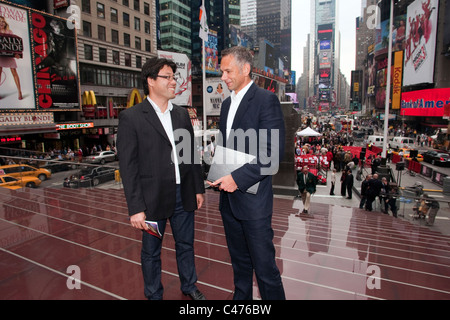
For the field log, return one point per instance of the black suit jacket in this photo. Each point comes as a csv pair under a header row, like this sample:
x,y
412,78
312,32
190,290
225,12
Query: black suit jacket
x,y
259,110
146,165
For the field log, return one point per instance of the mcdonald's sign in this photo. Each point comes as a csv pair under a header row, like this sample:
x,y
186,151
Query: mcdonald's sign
x,y
134,98
89,103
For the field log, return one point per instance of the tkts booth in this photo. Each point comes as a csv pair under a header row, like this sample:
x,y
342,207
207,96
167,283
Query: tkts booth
x,y
318,165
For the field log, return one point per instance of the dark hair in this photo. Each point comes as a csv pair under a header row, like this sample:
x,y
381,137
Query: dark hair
x,y
241,54
151,70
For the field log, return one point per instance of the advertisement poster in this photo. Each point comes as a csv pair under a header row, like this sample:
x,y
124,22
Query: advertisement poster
x,y
425,103
16,85
212,54
420,46
38,61
216,92
184,74
55,59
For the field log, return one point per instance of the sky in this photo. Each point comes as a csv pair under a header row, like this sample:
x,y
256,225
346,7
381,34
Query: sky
x,y
348,11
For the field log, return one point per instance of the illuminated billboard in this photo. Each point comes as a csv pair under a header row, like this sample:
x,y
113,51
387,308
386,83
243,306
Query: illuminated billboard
x,y
425,103
420,46
39,61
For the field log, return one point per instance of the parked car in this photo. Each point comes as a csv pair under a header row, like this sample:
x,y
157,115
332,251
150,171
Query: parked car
x,y
17,183
436,157
89,177
358,134
368,131
101,157
407,154
24,170
57,166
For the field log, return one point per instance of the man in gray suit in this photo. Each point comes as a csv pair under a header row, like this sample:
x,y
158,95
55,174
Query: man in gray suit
x,y
161,180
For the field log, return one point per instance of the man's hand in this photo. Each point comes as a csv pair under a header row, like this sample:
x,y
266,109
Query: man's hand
x,y
226,184
138,221
200,200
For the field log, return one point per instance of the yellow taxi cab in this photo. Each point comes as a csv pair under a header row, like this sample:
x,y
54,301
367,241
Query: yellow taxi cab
x,y
24,170
407,154
17,183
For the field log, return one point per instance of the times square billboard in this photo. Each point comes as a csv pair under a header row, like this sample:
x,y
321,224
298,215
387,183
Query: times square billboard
x,y
38,61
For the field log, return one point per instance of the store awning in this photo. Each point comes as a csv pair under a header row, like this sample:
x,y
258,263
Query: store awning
x,y
21,130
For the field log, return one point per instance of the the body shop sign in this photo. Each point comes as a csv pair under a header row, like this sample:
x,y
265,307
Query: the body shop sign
x,y
425,103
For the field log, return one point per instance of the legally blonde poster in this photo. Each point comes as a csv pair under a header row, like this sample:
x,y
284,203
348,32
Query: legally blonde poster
x,y
16,69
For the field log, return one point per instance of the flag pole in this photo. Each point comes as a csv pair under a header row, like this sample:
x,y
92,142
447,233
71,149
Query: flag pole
x,y
203,33
205,124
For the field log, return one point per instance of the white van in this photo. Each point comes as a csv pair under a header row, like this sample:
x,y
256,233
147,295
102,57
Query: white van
x,y
402,142
376,141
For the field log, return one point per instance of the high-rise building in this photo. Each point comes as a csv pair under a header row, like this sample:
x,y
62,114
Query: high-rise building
x,y
274,25
249,17
324,63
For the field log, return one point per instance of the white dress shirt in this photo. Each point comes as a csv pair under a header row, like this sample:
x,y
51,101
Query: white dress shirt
x,y
235,102
166,121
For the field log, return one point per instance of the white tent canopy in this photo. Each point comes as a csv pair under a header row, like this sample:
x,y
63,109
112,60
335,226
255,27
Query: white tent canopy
x,y
308,132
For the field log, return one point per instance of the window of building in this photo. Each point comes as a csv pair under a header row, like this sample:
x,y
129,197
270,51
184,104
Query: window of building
x,y
137,5
146,8
138,62
103,55
116,57
101,33
86,6
87,29
126,40
115,36
126,19
126,3
137,24
88,52
127,59
100,10
148,45
137,43
114,15
147,27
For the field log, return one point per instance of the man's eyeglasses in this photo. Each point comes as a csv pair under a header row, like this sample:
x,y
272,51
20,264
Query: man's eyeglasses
x,y
170,78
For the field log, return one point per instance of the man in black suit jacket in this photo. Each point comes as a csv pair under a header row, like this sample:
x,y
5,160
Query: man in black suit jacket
x,y
373,191
161,178
251,121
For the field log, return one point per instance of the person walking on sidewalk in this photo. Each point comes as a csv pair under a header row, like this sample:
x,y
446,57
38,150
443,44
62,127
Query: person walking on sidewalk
x,y
364,188
307,183
349,183
373,191
333,182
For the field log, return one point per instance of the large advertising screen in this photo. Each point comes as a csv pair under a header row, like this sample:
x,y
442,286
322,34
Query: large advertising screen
x,y
420,46
425,103
38,61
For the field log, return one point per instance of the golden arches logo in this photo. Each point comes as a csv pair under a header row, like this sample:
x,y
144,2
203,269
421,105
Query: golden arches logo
x,y
134,98
89,99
